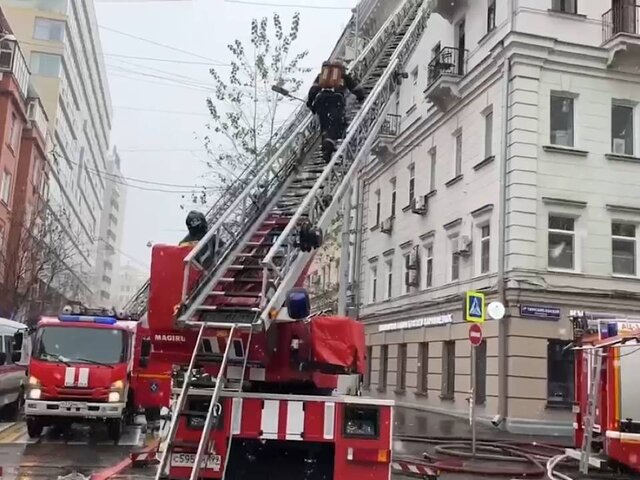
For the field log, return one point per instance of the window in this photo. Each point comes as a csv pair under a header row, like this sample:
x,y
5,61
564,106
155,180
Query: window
x,y
56,6
394,195
622,129
367,374
14,132
567,6
412,183
378,208
5,187
481,373
389,279
448,369
561,242
491,16
48,29
46,64
384,362
455,260
485,248
423,367
407,261
432,170
429,266
458,154
623,237
401,383
559,373
488,135
414,75
374,284
562,121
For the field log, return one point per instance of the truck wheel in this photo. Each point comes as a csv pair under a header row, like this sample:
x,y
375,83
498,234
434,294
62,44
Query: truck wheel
x,y
115,428
34,427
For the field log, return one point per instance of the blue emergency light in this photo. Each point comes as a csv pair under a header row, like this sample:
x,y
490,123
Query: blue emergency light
x,y
92,319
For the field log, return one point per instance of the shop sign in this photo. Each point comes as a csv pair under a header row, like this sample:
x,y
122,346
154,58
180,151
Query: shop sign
x,y
417,323
540,312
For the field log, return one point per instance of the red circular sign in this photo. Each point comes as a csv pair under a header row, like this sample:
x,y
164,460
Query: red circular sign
x,y
475,335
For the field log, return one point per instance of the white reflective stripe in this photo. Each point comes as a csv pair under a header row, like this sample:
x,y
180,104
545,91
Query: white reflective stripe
x,y
257,374
234,372
236,416
413,468
597,428
83,377
295,420
396,466
350,453
269,421
329,419
69,376
629,437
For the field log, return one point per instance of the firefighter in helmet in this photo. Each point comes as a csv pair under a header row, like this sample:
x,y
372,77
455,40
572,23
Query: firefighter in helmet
x,y
327,99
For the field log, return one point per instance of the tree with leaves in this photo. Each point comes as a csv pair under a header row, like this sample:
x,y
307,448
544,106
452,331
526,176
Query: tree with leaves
x,y
245,111
40,265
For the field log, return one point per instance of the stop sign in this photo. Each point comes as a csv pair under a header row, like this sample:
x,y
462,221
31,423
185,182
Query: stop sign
x,y
475,334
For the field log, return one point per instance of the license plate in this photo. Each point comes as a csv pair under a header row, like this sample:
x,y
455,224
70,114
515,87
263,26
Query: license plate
x,y
71,405
213,462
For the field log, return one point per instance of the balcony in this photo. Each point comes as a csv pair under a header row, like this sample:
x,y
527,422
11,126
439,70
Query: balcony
x,y
383,148
447,9
445,71
38,117
12,61
621,36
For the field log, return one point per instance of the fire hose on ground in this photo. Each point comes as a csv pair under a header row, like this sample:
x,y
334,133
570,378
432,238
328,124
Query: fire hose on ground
x,y
454,455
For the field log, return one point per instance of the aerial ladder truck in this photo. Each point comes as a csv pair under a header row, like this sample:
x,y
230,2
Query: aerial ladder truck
x,y
257,379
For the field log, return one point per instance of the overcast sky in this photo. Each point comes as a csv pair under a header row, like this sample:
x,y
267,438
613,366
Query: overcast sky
x,y
164,147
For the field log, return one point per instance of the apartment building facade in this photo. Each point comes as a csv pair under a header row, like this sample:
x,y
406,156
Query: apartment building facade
x,y
127,283
509,164
61,42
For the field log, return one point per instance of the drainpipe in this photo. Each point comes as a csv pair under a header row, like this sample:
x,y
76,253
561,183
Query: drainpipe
x,y
503,325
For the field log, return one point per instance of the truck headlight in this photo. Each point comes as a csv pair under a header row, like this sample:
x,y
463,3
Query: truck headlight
x,y
35,393
114,397
33,381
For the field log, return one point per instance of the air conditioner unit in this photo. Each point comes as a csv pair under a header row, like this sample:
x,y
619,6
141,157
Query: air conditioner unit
x,y
412,260
619,145
387,225
411,278
464,245
420,205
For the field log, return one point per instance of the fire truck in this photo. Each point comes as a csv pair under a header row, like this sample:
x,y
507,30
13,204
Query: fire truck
x,y
262,388
87,365
607,409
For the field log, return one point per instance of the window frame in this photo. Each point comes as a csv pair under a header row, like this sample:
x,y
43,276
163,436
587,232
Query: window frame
x,y
389,283
428,266
38,72
383,368
367,373
480,381
555,370
491,16
6,184
412,183
488,134
485,241
448,388
423,368
374,284
622,238
632,107
574,236
401,378
571,140
378,210
394,197
432,169
458,153
562,6
61,23
455,259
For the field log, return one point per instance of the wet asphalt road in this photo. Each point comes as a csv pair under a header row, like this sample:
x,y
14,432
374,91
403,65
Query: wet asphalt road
x,y
88,450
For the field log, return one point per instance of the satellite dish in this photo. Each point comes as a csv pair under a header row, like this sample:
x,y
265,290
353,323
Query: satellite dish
x,y
496,310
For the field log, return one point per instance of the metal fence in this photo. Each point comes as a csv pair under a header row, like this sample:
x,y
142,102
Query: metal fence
x,y
621,19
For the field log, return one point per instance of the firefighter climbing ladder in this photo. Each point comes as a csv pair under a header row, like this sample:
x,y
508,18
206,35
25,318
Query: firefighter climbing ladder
x,y
213,412
595,373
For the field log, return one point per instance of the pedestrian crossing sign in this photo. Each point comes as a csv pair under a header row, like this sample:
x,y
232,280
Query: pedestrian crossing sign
x,y
474,310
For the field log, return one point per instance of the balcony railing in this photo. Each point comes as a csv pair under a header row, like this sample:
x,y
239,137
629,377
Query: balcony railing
x,y
449,61
12,60
391,125
621,19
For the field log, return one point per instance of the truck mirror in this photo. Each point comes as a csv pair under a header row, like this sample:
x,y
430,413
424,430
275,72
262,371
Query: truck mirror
x,y
3,358
145,348
18,338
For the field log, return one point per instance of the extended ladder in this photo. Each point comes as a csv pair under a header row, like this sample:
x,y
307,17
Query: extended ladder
x,y
595,374
212,416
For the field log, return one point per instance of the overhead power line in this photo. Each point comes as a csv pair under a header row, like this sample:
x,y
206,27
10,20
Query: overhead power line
x,y
166,60
159,110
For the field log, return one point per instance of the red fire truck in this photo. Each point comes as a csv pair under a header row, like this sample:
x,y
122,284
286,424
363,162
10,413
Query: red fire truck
x,y
88,366
607,410
277,406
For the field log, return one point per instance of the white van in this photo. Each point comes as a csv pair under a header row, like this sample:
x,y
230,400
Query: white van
x,y
13,366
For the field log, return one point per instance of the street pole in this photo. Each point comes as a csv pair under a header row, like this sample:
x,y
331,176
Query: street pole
x,y
472,401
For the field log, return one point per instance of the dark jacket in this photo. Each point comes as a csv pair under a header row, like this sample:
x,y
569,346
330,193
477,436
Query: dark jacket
x,y
349,84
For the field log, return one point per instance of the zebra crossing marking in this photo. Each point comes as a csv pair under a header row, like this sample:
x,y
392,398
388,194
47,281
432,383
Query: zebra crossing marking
x,y
16,433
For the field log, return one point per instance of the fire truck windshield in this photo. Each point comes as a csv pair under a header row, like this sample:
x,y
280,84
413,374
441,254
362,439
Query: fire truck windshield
x,y
99,346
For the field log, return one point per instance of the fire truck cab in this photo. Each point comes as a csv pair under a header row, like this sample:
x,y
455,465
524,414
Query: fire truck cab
x,y
86,367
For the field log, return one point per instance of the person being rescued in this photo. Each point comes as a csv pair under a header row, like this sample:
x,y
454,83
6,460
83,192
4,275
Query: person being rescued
x,y
197,227
327,99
